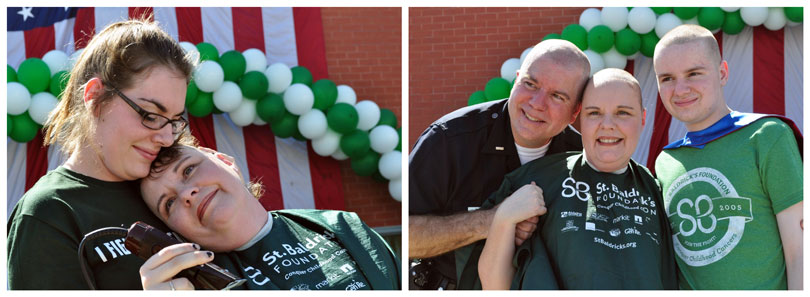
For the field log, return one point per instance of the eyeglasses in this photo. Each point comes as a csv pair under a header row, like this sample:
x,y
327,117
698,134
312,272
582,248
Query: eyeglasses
x,y
152,120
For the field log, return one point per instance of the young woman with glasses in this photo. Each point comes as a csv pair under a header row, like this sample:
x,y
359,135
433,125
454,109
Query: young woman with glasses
x,y
124,101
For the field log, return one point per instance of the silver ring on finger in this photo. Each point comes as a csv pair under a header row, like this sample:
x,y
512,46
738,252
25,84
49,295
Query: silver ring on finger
x,y
171,285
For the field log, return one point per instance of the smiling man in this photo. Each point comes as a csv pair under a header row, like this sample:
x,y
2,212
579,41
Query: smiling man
x,y
733,185
462,157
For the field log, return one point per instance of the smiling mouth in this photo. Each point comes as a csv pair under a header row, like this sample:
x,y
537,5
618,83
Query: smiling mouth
x,y
146,154
683,103
204,204
609,140
536,120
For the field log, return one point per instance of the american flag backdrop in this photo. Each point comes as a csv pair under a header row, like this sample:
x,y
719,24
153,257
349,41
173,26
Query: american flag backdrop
x,y
288,168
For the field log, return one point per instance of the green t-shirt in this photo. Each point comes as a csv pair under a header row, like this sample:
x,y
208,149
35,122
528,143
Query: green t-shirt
x,y
722,202
317,250
601,231
50,220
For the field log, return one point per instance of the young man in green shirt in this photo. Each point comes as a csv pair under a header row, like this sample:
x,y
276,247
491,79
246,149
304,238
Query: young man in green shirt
x,y
733,185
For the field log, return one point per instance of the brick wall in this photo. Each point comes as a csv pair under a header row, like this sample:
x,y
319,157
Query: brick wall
x,y
363,50
453,52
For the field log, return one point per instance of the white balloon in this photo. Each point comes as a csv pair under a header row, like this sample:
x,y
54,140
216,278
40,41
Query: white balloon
x,y
792,23
509,69
41,105
754,16
666,22
390,165
641,20
298,99
346,95
312,125
228,97
590,18
245,113
75,57
634,56
18,98
57,61
524,54
339,154
327,144
395,189
258,120
596,61
692,21
383,139
776,18
255,60
279,78
615,18
368,114
209,76
191,50
614,59
729,9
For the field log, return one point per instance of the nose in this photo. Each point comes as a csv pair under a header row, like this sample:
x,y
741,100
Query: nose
x,y
539,99
164,137
189,195
607,122
681,87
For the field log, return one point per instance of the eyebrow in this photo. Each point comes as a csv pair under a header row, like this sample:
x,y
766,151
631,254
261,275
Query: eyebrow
x,y
596,107
687,71
530,77
160,106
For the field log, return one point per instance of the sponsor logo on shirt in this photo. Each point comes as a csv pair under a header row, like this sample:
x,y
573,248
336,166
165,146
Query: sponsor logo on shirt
x,y
707,227
569,226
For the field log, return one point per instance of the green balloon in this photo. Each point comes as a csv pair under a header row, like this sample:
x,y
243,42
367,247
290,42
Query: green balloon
x,y
216,110
377,177
577,35
600,39
661,10
366,165
301,75
387,117
342,118
477,97
191,93
203,105
686,13
208,52
552,36
399,134
325,92
25,129
11,75
297,132
58,83
711,18
270,108
9,124
254,85
286,126
497,88
734,23
627,42
794,14
648,42
34,74
233,64
355,144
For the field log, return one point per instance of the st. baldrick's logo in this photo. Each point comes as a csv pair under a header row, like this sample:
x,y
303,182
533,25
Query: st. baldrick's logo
x,y
709,219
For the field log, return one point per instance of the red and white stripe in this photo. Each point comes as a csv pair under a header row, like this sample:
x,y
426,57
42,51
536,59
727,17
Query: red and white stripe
x,y
765,76
293,175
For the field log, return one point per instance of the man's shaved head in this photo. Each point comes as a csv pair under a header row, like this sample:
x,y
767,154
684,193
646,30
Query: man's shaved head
x,y
684,34
562,52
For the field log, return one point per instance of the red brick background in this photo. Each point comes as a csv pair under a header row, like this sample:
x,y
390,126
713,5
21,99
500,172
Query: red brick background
x,y
364,51
453,52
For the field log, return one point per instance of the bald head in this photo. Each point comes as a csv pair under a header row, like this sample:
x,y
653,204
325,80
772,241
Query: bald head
x,y
685,34
614,76
561,52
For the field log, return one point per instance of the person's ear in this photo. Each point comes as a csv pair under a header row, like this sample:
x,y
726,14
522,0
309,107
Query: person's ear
x,y
92,91
577,109
643,116
723,73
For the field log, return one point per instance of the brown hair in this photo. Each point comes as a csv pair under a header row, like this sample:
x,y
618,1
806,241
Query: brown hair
x,y
118,55
170,154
